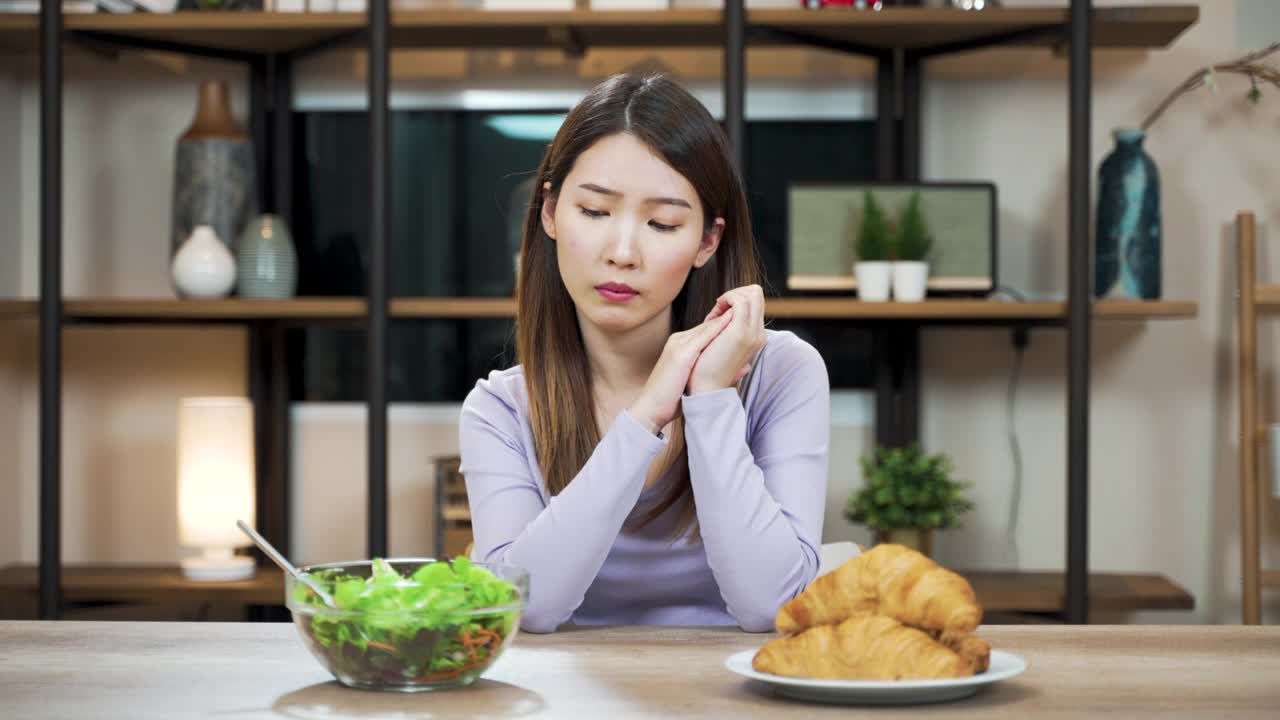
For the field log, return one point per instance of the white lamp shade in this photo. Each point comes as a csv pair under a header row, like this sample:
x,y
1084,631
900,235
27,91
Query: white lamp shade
x,y
215,471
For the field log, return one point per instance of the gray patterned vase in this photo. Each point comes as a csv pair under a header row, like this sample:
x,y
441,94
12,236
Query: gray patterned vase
x,y
214,180
266,263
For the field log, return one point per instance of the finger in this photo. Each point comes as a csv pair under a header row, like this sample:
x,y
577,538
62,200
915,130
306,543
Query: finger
x,y
742,373
717,309
742,313
723,303
708,330
757,311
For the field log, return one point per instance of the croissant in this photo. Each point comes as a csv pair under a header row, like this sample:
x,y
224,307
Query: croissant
x,y
922,593
864,647
848,590
967,645
888,579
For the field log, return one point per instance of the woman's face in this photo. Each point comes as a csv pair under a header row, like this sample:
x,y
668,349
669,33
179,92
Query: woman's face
x,y
628,229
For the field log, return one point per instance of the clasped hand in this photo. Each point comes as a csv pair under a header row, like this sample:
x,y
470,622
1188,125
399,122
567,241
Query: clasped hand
x,y
711,356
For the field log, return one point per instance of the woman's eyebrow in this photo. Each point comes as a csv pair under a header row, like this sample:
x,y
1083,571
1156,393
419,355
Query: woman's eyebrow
x,y
655,200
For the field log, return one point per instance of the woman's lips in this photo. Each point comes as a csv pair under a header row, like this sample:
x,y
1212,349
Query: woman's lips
x,y
616,292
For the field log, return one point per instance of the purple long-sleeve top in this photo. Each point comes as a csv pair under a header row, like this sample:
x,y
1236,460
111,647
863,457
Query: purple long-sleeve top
x,y
758,467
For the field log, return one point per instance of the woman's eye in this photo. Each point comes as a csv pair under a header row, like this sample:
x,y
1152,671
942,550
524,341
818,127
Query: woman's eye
x,y
662,228
593,213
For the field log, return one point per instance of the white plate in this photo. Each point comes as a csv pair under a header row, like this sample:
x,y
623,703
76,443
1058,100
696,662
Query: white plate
x,y
1003,666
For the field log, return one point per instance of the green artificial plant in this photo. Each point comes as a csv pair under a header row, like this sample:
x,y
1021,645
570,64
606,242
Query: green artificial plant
x,y
912,240
874,238
905,488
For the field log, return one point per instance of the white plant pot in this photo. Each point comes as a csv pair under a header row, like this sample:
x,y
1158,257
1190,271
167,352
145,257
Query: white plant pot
x,y
873,277
203,267
910,280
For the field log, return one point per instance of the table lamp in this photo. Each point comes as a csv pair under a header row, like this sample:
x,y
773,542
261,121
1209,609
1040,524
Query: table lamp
x,y
215,485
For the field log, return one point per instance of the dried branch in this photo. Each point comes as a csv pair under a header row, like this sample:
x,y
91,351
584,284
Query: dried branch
x,y
1247,65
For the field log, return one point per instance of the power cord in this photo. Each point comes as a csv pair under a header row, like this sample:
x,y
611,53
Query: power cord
x,y
1021,337
1013,293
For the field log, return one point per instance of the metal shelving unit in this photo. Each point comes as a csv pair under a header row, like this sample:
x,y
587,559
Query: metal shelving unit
x,y
898,39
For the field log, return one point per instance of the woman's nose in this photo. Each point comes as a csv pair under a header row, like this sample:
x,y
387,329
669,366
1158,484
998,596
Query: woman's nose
x,y
621,250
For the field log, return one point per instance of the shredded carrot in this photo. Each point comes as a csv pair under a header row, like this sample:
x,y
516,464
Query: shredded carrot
x,y
483,638
383,646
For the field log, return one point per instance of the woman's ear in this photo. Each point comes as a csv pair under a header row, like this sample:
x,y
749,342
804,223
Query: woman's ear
x,y
548,211
710,241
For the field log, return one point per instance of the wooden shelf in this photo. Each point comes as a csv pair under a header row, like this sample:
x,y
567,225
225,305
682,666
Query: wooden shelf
x,y
140,584
453,307
1025,592
18,308
230,309
923,28
1044,592
919,28
261,32
975,310
1144,309
241,309
807,308
1267,297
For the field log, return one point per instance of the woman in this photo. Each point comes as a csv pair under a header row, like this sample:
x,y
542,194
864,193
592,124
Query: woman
x,y
657,457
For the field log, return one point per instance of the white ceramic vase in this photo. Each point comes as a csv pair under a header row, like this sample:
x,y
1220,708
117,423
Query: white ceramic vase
x,y
873,277
203,267
910,280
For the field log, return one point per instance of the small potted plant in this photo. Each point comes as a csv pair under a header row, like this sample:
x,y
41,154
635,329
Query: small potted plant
x,y
872,270
906,496
912,242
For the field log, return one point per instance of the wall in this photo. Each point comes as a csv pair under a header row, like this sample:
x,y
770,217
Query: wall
x,y
11,422
1163,492
11,431
11,378
10,182
330,492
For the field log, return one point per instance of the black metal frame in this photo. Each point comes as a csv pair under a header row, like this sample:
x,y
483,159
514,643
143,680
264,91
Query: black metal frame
x,y
379,234
1078,326
896,352
735,75
50,309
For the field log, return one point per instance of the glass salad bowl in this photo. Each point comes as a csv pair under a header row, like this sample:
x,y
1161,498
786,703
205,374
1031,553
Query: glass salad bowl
x,y
408,624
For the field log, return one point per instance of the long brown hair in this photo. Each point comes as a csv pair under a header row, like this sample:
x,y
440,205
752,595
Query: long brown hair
x,y
549,346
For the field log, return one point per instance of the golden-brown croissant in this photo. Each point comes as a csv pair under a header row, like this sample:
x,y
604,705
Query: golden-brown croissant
x,y
864,647
921,593
848,590
888,579
967,645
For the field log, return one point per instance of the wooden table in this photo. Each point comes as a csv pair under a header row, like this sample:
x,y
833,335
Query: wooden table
x,y
998,592
261,670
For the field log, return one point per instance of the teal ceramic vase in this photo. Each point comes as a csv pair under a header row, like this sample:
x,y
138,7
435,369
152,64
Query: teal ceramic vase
x,y
1127,234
